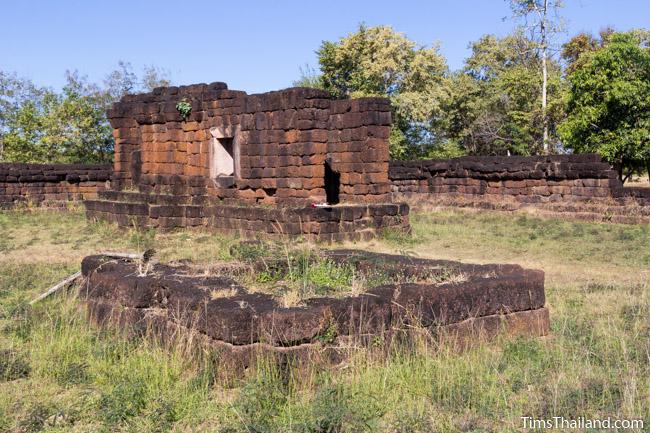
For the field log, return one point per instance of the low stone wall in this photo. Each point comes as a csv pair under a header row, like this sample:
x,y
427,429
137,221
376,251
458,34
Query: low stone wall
x,y
481,301
581,185
337,223
50,183
534,179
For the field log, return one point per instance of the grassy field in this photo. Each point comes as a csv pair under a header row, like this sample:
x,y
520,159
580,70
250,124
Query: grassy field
x,y
58,373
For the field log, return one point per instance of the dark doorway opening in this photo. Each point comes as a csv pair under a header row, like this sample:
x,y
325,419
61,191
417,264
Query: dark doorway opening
x,y
332,184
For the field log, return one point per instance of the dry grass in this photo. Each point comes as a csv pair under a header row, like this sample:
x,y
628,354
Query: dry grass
x,y
59,373
568,251
222,293
639,181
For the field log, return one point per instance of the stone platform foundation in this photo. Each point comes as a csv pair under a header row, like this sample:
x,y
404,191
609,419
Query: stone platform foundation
x,y
336,223
481,301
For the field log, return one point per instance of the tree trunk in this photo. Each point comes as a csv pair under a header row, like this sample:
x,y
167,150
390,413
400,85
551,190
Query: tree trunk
x,y
627,176
647,167
618,166
624,177
544,77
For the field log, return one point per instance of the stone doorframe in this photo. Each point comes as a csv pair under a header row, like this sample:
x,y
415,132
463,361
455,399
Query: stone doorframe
x,y
225,132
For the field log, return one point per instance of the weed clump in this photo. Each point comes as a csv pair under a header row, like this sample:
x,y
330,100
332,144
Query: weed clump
x,y
13,365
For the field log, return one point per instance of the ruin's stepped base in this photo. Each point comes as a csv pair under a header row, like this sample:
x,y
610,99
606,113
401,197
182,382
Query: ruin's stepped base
x,y
337,223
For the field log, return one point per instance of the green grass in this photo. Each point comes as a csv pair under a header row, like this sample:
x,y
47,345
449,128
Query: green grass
x,y
296,271
59,373
613,244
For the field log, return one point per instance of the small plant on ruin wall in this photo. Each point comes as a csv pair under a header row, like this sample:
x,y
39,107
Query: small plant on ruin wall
x,y
328,336
184,108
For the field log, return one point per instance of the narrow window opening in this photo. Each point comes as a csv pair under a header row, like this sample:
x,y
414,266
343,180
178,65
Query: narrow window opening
x,y
332,184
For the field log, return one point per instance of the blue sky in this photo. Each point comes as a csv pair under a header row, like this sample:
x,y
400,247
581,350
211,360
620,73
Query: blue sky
x,y
252,45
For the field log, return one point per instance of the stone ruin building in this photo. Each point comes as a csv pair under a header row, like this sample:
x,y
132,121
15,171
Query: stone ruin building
x,y
292,162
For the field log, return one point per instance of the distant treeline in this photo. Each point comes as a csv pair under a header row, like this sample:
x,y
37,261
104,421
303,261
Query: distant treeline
x,y
597,94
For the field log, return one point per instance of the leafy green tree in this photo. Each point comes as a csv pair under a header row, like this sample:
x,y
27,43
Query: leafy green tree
x,y
41,125
582,43
14,93
495,106
66,127
378,61
608,109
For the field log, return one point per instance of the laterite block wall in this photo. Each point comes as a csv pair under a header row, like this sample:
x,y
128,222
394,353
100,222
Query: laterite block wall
x,y
251,164
533,179
50,183
284,139
358,222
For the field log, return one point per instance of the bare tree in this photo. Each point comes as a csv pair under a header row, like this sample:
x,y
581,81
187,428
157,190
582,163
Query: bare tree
x,y
541,19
